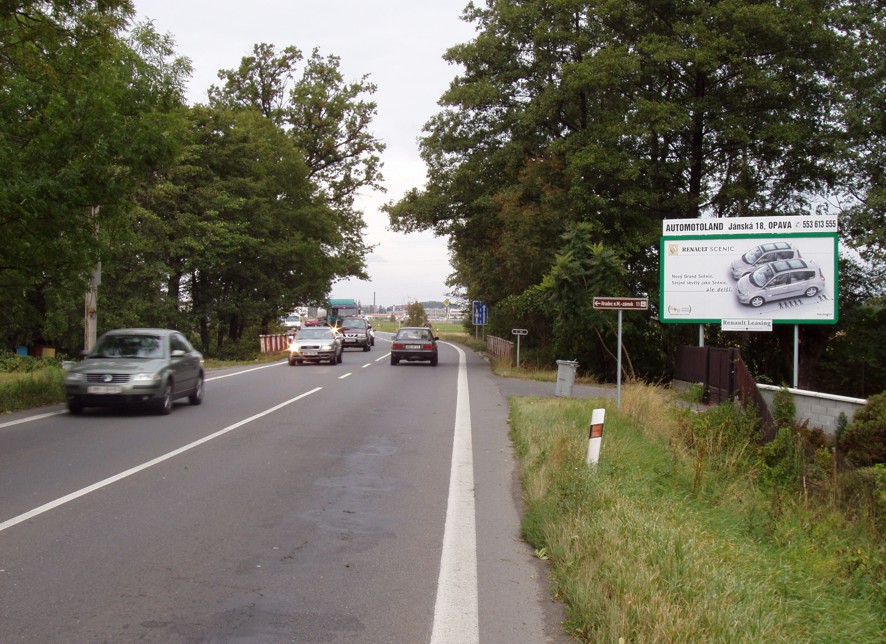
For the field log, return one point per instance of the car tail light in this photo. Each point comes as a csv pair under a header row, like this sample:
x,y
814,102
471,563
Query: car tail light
x,y
397,345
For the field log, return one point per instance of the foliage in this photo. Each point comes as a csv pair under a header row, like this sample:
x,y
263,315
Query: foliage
x,y
327,118
619,115
14,363
784,410
864,439
42,386
82,122
415,315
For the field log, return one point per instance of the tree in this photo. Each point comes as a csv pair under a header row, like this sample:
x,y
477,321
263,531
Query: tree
x,y
83,120
619,115
327,118
416,315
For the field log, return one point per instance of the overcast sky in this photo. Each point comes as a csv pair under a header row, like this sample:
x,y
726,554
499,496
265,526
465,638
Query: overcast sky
x,y
400,44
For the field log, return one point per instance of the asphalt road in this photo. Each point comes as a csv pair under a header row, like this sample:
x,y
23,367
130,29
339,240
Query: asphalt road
x,y
358,502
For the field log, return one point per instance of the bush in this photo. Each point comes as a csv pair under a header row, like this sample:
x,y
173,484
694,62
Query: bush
x,y
863,442
14,363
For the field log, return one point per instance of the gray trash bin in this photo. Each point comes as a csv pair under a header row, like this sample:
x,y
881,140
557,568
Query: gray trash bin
x,y
565,377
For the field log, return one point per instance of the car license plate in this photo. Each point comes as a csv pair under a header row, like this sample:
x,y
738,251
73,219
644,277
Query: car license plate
x,y
104,389
413,346
310,353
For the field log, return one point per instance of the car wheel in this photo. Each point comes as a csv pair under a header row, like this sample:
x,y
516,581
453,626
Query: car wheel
x,y
75,406
434,361
812,291
164,404
291,362
395,361
365,348
757,301
197,397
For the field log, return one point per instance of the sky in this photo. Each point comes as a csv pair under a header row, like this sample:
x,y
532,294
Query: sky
x,y
399,44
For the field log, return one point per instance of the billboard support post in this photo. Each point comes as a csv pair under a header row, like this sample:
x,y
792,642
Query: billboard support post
x,y
796,355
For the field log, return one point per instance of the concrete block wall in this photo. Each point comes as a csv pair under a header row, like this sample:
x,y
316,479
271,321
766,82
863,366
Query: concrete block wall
x,y
821,410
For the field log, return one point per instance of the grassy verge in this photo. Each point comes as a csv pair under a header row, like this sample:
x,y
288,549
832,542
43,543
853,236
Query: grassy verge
x,y
32,389
657,545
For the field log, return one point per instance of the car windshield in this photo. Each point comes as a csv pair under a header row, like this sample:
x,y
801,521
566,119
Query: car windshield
x,y
762,275
752,255
354,324
414,334
128,346
314,334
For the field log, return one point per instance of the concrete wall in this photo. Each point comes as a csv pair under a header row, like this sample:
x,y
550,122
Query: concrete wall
x,y
821,410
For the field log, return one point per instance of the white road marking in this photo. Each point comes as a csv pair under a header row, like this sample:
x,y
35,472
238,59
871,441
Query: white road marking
x,y
30,418
138,468
456,611
65,411
342,377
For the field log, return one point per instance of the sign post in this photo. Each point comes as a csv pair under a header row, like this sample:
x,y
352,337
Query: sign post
x,y
479,313
518,333
620,304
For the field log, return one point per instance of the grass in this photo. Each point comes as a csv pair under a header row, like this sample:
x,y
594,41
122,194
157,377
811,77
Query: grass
x,y
31,389
637,552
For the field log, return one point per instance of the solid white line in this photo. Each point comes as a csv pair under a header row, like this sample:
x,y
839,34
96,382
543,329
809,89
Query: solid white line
x,y
65,411
122,475
456,611
30,418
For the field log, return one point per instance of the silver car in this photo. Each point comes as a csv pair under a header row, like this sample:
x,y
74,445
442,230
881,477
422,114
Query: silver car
x,y
760,255
780,280
150,367
315,344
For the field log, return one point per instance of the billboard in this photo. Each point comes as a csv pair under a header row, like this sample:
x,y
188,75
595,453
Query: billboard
x,y
782,269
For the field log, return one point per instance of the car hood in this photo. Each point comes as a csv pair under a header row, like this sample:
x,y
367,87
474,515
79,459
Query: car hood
x,y
118,365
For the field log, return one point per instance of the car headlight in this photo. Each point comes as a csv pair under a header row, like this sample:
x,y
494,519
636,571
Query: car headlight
x,y
143,377
74,377
326,347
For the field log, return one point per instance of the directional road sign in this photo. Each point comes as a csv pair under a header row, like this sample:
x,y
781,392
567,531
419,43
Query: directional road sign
x,y
626,303
479,313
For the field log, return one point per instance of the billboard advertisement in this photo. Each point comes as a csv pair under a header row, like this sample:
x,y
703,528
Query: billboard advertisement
x,y
778,269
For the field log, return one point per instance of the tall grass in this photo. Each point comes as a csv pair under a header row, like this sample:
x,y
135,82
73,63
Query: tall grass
x,y
659,544
32,389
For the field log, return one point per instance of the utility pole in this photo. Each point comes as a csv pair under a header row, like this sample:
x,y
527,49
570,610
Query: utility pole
x,y
91,302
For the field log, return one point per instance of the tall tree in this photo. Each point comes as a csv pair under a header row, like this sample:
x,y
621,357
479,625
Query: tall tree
x,y
328,118
82,121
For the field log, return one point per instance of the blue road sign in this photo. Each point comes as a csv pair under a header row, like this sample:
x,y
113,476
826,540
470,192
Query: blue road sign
x,y
478,313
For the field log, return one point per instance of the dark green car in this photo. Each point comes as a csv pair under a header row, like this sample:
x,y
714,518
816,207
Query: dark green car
x,y
150,367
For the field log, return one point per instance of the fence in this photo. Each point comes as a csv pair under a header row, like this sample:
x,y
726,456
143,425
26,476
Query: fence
x,y
500,348
723,376
275,342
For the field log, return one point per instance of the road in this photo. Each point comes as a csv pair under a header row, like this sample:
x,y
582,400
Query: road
x,y
358,502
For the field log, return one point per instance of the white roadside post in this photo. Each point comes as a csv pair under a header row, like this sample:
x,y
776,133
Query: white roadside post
x,y
595,436
518,333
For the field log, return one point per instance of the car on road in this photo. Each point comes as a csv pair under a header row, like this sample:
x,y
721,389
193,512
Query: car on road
x,y
150,367
414,343
790,278
760,255
356,332
316,344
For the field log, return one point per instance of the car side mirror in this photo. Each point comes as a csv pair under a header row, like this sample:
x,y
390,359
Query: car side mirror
x,y
177,353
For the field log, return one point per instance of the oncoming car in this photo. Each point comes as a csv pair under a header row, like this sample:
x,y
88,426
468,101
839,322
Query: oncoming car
x,y
414,343
779,281
315,344
136,366
356,332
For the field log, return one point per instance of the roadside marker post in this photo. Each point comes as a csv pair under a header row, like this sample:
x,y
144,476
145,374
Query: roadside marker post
x,y
595,436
